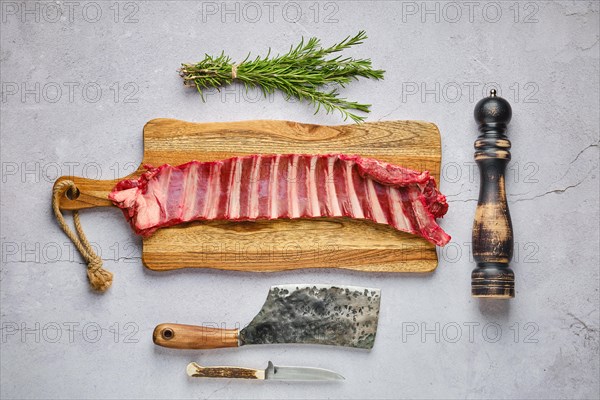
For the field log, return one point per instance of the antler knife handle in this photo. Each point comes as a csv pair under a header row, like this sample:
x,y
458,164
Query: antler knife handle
x,y
177,336
492,229
198,371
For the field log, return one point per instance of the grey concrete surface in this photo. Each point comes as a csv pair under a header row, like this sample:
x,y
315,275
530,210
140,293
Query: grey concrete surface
x,y
78,86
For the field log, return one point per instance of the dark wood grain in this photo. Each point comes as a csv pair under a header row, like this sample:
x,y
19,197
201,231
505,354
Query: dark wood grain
x,y
492,228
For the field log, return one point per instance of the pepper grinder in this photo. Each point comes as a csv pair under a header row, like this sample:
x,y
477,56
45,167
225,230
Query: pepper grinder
x,y
492,228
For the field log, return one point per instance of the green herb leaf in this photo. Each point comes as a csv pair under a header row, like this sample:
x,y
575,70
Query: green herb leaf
x,y
304,72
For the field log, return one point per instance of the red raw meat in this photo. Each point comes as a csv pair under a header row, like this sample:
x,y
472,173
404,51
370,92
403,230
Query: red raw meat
x,y
284,186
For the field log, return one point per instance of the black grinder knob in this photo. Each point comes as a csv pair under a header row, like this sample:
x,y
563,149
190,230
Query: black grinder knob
x,y
492,228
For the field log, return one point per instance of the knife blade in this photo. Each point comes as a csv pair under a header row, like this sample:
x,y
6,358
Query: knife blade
x,y
272,372
300,313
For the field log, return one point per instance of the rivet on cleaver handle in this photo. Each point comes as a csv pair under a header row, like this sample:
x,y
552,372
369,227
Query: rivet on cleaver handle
x,y
309,314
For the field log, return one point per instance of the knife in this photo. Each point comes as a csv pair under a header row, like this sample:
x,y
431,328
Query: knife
x,y
272,372
302,313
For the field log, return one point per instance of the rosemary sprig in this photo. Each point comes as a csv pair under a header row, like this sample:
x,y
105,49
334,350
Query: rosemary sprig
x,y
303,72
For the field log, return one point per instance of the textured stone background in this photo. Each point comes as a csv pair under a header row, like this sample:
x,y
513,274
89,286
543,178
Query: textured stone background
x,y
59,340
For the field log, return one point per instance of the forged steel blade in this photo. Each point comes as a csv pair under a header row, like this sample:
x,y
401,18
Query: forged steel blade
x,y
316,314
300,374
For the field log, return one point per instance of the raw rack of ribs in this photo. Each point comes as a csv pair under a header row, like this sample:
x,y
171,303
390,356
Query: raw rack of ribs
x,y
284,186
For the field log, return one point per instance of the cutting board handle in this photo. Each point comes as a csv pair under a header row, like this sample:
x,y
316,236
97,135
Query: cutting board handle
x,y
90,193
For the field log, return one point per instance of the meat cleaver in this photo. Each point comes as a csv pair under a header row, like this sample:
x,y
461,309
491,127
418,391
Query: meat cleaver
x,y
308,314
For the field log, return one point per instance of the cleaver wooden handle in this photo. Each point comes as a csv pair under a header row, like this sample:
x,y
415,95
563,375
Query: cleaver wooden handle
x,y
177,336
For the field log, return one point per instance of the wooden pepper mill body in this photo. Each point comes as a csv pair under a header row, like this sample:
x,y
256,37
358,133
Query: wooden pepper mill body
x,y
492,229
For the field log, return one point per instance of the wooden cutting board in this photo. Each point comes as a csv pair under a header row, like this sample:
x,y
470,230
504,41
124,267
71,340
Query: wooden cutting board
x,y
279,245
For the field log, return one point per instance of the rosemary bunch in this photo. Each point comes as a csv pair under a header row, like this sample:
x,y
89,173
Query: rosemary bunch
x,y
303,72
